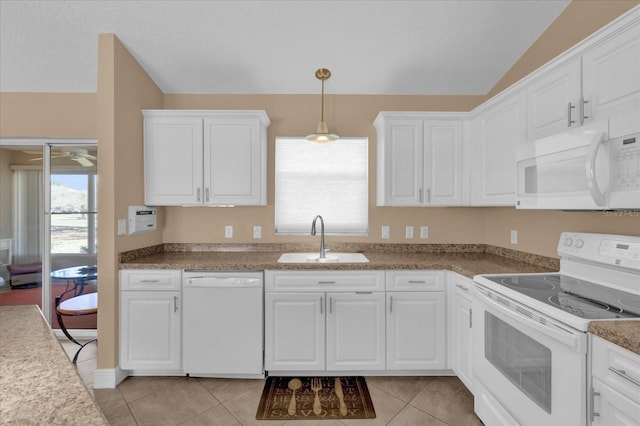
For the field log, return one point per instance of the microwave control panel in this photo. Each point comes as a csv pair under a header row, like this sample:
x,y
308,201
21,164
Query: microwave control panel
x,y
625,164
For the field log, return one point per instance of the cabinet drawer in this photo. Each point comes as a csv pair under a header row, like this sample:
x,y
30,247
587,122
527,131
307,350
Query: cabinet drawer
x,y
415,280
617,367
150,279
324,280
463,285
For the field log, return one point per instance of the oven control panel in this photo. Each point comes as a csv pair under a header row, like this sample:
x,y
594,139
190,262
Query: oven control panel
x,y
618,250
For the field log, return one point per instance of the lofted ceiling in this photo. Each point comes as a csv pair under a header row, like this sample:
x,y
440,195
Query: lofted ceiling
x,y
414,47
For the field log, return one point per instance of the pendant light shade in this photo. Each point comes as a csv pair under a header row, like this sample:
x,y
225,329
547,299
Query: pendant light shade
x,y
322,134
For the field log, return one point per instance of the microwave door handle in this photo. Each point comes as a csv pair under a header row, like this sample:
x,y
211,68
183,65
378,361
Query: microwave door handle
x,y
592,180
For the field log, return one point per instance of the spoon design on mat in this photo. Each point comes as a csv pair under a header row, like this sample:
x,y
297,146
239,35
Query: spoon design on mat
x,y
294,385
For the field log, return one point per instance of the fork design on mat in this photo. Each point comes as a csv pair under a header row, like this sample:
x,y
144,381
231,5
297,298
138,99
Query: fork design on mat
x,y
316,386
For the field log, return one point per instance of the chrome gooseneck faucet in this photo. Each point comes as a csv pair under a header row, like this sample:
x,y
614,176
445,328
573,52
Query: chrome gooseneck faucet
x,y
313,232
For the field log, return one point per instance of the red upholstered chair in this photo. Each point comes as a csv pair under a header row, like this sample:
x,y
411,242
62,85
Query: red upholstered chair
x,y
25,269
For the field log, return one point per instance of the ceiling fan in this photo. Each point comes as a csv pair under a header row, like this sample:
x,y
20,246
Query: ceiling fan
x,y
80,155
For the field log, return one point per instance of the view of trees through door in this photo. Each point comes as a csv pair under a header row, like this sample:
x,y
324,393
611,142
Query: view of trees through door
x,y
48,218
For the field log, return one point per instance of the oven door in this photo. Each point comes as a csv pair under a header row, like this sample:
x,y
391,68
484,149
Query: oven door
x,y
531,370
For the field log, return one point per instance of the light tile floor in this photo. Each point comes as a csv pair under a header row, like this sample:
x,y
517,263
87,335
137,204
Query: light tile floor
x,y
398,401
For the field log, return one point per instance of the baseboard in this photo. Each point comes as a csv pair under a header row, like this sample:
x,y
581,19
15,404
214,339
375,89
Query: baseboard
x,y
77,333
108,378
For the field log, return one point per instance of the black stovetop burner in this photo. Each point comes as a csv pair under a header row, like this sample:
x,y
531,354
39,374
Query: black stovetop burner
x,y
575,296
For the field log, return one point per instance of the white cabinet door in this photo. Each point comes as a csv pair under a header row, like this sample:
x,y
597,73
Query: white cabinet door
x,y
355,331
462,332
443,163
173,160
612,407
205,157
419,160
416,331
553,102
150,330
400,159
611,82
501,129
294,331
235,161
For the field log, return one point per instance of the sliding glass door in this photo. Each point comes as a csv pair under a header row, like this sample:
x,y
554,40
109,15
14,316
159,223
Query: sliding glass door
x,y
50,226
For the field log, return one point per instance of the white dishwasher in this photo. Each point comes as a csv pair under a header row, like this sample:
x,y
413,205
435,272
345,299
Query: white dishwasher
x,y
222,323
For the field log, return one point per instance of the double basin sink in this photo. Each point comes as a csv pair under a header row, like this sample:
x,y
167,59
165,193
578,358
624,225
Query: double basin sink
x,y
329,258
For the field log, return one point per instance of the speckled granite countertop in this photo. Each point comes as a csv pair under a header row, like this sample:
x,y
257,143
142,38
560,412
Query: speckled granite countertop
x,y
38,383
622,333
466,259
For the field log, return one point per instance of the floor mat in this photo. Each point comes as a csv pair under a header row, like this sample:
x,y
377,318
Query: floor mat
x,y
315,398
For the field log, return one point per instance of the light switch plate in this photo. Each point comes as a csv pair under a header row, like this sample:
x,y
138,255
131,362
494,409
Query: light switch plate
x,y
514,236
122,226
228,231
257,232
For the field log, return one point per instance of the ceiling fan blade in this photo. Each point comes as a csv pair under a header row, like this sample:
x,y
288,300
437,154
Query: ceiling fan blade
x,y
33,152
83,161
35,159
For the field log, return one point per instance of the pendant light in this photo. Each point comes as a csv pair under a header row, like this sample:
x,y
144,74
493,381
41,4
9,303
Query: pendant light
x,y
322,134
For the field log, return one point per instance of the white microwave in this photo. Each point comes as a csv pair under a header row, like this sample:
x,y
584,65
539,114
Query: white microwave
x,y
580,170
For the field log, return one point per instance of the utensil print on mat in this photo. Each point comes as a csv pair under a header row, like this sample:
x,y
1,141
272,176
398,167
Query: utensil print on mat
x,y
294,385
340,394
316,385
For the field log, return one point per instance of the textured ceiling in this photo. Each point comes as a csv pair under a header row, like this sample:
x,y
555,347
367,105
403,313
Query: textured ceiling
x,y
273,47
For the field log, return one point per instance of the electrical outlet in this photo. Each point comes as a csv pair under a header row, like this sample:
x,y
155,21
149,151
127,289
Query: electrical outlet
x,y
408,232
122,226
257,232
385,232
514,237
424,232
228,231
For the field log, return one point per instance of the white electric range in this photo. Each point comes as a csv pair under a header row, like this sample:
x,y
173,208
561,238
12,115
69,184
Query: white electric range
x,y
530,345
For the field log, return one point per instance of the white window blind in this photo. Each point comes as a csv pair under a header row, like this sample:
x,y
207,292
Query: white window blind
x,y
330,180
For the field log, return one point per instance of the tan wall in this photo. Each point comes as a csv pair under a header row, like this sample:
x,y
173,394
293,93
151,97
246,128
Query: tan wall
x,y
6,194
49,115
124,89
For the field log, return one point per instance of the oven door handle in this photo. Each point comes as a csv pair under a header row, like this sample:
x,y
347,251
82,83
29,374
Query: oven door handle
x,y
518,314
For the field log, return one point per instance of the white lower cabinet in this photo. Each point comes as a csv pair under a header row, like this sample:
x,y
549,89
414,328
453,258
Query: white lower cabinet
x,y
416,320
338,329
294,331
150,321
416,331
615,385
462,328
355,331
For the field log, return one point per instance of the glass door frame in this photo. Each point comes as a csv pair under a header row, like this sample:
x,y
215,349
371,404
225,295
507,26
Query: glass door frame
x,y
45,214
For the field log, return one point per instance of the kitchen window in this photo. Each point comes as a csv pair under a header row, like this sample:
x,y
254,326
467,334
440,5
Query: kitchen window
x,y
330,180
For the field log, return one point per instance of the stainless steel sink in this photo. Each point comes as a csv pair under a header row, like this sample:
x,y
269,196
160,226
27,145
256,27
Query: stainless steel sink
x,y
329,258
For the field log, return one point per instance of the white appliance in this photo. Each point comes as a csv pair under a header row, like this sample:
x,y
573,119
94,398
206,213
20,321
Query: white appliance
x,y
581,169
223,324
529,330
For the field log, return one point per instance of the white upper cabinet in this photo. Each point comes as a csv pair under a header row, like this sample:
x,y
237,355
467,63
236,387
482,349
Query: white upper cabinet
x,y
205,157
603,83
496,132
419,160
611,82
553,101
172,160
